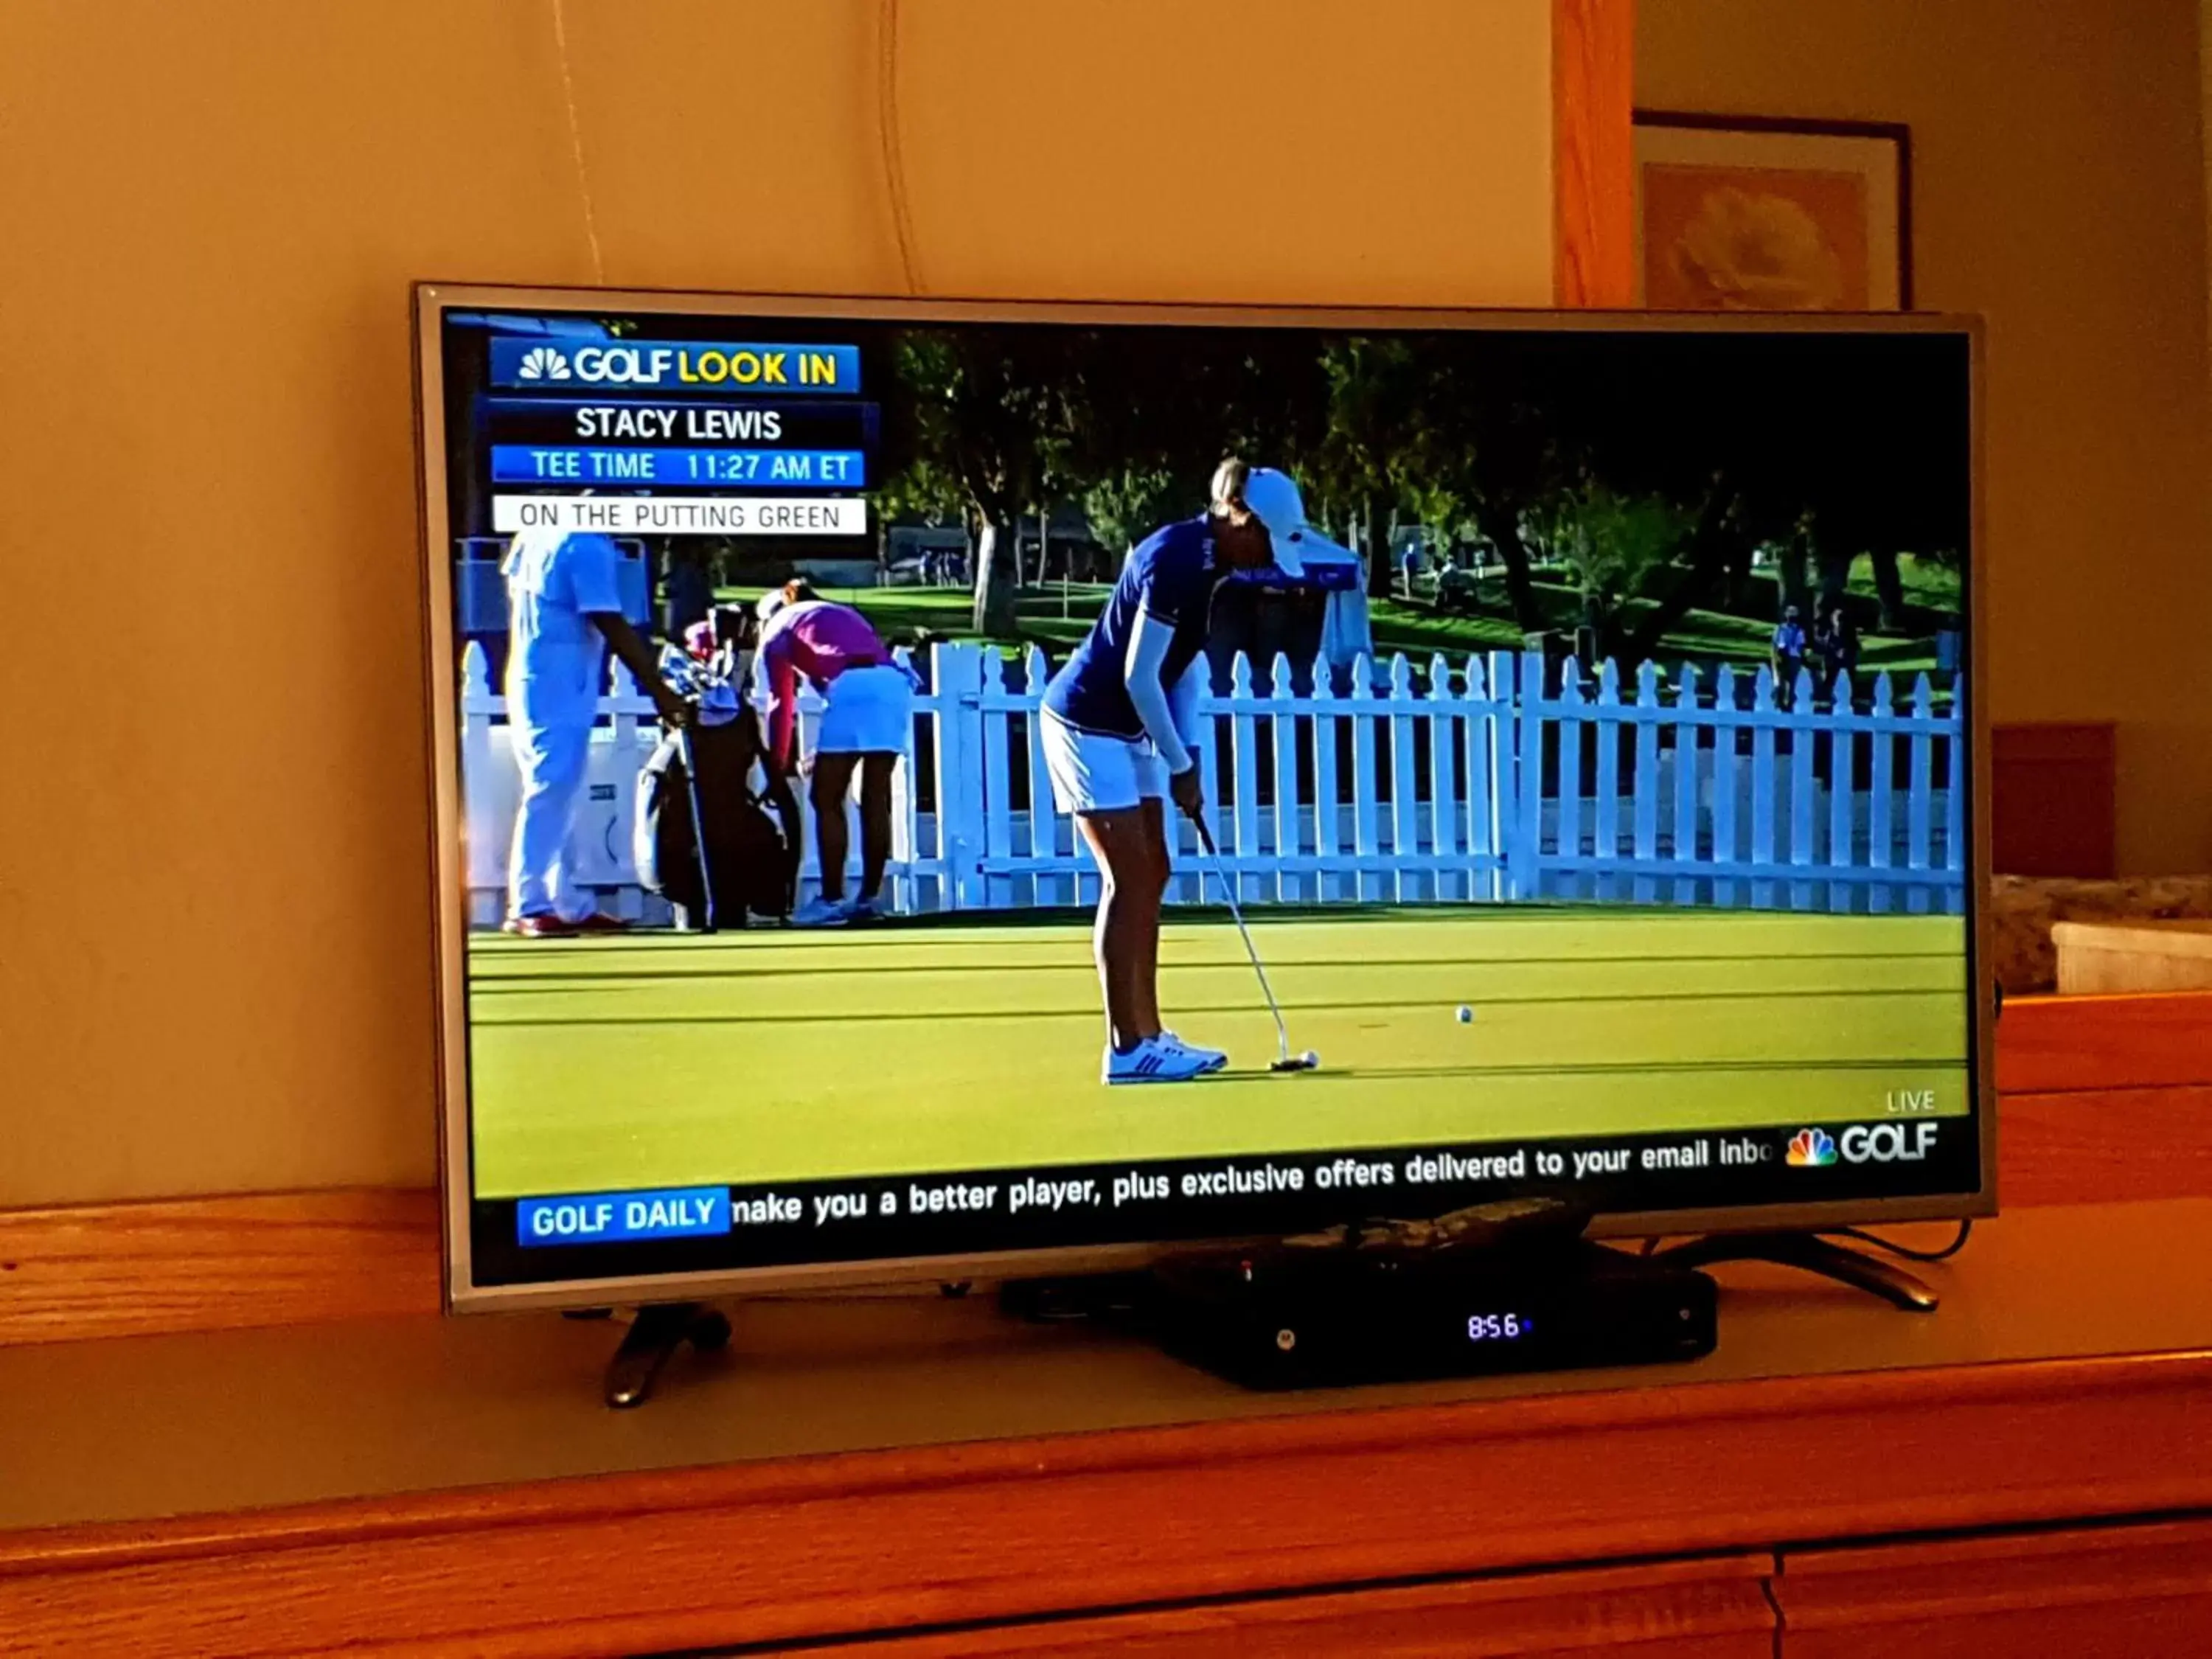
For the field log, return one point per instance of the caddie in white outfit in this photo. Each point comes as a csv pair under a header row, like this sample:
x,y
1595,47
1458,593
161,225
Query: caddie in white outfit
x,y
564,609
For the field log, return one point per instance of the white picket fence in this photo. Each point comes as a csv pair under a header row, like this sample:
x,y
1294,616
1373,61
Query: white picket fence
x,y
1772,828
1482,779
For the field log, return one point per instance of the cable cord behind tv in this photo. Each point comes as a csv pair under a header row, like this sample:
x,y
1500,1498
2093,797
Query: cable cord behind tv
x,y
576,141
1860,1234
887,126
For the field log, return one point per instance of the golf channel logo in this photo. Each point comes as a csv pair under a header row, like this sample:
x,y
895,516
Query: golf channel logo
x,y
542,363
680,366
1889,1143
1812,1148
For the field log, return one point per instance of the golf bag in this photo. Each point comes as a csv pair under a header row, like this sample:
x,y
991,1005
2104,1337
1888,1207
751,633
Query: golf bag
x,y
752,852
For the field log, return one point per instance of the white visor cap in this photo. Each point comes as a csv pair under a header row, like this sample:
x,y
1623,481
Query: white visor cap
x,y
1275,497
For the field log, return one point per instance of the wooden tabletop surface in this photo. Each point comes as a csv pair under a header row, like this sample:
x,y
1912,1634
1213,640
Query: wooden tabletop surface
x,y
123,1431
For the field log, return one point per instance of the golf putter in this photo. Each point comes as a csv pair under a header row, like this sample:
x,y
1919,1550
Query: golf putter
x,y
1285,1059
698,828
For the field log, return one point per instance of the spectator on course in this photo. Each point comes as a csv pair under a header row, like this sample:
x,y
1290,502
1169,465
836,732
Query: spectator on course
x,y
1447,579
1836,644
1787,654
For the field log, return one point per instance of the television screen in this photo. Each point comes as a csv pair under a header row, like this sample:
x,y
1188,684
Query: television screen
x,y
932,789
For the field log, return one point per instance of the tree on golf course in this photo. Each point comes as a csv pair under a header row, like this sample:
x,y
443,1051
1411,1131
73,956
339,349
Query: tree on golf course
x,y
987,409
1485,446
1650,467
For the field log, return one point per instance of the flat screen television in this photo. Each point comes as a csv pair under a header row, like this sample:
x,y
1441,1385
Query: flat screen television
x,y
1583,708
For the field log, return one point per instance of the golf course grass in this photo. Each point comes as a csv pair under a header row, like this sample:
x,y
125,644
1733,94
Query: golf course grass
x,y
945,1044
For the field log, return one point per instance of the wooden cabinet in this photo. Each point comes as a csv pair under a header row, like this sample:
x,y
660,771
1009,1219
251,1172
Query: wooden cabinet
x,y
1712,1609
2051,794
916,1477
2117,1592
2127,1591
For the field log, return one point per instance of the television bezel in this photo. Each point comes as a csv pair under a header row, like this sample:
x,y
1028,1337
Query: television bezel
x,y
431,303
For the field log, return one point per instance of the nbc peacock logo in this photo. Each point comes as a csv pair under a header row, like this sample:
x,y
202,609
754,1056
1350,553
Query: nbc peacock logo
x,y
1812,1148
543,363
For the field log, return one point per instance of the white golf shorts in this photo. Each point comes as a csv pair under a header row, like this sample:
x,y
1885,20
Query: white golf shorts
x,y
867,711
1093,772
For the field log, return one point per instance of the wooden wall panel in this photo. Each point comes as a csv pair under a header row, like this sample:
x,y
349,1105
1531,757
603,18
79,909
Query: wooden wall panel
x,y
213,1264
1593,152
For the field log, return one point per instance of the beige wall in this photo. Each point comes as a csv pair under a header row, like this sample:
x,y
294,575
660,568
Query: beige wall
x,y
2059,188
215,967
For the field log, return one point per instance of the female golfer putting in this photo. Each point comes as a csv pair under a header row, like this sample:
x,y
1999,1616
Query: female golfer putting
x,y
1119,717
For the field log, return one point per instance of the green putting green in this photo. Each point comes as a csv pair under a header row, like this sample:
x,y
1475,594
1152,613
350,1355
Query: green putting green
x,y
940,1045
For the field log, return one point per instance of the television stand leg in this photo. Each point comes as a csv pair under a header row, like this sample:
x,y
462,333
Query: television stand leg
x,y
1814,1254
654,1336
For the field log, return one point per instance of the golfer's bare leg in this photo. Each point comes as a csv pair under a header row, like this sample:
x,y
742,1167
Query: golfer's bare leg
x,y
832,778
1120,843
875,821
1146,990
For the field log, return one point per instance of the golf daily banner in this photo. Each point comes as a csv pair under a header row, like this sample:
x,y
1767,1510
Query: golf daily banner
x,y
677,366
700,1229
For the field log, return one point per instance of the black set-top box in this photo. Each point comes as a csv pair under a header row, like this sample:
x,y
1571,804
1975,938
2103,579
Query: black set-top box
x,y
1324,1312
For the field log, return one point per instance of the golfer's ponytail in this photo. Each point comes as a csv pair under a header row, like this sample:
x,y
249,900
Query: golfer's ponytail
x,y
1228,490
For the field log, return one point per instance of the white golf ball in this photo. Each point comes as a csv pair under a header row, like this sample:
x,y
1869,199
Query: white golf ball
x,y
1466,1015
1312,1060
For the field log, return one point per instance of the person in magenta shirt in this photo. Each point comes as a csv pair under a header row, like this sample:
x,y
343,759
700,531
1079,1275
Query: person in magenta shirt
x,y
867,724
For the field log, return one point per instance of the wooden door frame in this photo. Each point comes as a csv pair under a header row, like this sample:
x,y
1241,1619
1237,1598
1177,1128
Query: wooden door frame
x,y
1593,153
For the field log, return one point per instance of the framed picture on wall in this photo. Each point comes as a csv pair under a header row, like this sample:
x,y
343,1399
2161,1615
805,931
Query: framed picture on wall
x,y
1770,213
